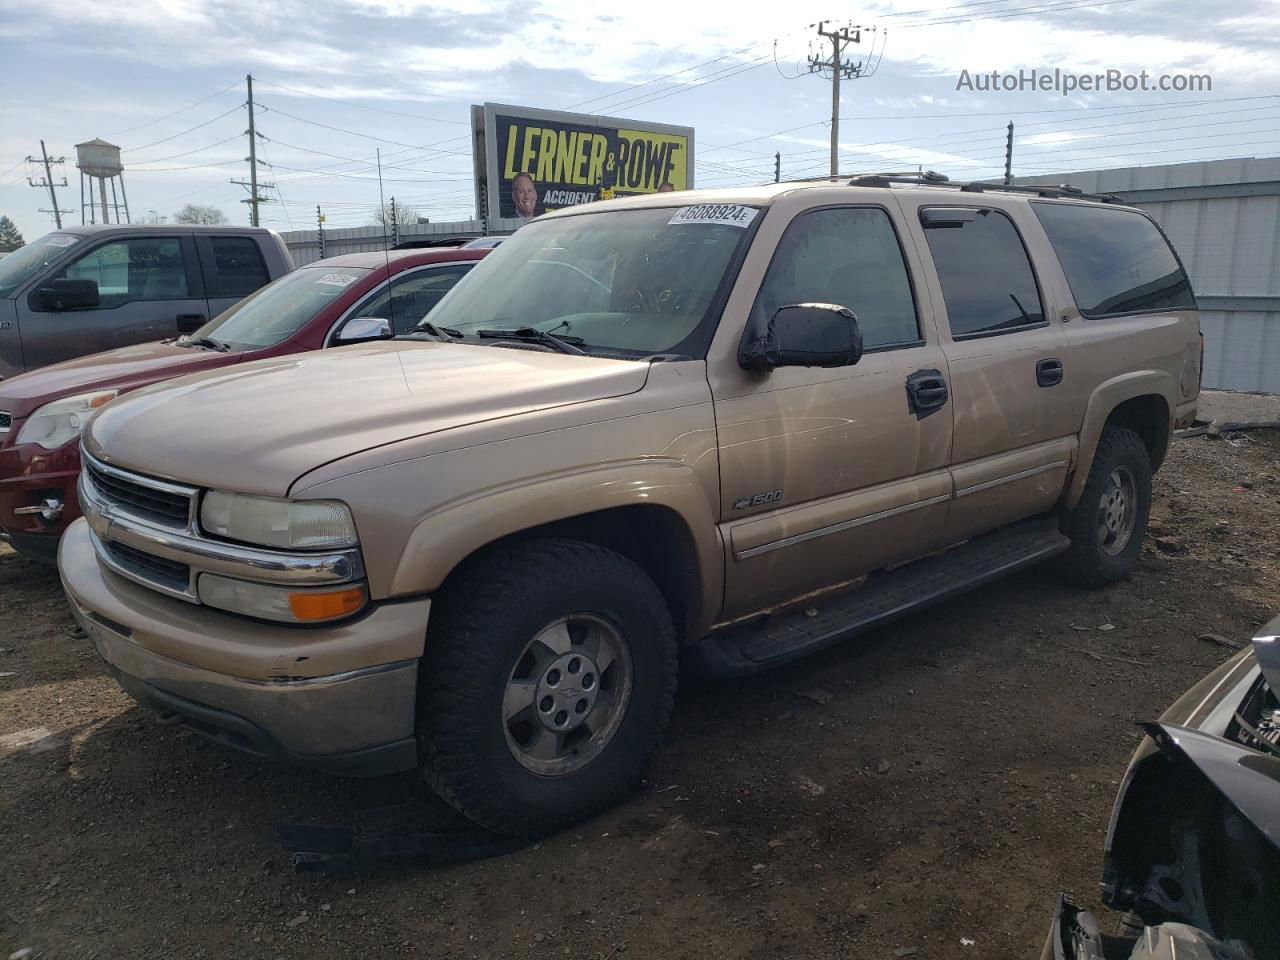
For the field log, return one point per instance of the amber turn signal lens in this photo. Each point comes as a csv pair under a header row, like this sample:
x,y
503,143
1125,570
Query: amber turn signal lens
x,y
326,606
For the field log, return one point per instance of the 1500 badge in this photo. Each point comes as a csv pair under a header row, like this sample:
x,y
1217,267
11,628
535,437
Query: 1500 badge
x,y
770,496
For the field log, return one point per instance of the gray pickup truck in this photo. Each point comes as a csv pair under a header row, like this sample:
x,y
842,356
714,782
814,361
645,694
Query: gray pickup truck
x,y
82,290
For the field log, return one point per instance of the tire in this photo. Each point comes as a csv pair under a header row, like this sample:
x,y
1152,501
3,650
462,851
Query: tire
x,y
1097,556
509,629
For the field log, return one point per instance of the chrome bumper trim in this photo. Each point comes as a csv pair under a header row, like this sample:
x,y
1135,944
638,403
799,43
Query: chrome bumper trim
x,y
112,525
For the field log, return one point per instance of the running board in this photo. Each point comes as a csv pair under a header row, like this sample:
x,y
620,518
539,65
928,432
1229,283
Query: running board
x,y
885,596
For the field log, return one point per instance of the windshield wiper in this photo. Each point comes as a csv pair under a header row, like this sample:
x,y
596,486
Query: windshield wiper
x,y
563,344
207,342
431,328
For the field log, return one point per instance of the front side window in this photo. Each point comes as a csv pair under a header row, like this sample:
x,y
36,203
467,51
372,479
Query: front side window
x,y
26,262
627,283
1116,261
411,297
848,256
239,266
988,285
141,268
282,308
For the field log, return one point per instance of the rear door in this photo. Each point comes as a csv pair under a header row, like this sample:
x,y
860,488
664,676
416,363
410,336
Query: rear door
x,y
147,285
1010,373
233,268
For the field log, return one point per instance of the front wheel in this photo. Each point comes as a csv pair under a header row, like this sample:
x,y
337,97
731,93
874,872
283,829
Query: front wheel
x,y
549,675
1107,525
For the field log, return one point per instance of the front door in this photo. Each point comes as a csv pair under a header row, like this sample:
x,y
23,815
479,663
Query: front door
x,y
828,474
1014,427
147,285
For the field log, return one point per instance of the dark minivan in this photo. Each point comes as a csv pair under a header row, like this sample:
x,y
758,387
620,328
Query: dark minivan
x,y
82,290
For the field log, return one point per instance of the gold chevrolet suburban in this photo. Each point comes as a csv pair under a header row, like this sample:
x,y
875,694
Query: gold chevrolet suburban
x,y
639,428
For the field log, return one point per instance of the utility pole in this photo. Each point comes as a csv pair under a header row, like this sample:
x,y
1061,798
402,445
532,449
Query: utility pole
x,y
839,67
1008,156
253,157
777,166
254,198
320,226
48,183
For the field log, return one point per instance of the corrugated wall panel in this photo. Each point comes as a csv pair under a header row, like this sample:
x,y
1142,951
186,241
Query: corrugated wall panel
x,y
1241,350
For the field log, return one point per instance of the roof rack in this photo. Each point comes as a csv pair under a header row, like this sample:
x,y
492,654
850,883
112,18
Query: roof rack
x,y
1041,190
931,178
926,177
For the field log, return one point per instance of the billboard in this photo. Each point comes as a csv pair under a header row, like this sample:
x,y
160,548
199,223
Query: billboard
x,y
530,161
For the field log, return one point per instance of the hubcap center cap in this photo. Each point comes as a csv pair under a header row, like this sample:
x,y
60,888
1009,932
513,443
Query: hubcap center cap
x,y
567,692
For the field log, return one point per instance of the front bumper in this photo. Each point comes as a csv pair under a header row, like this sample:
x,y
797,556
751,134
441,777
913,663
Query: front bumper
x,y
29,475
340,698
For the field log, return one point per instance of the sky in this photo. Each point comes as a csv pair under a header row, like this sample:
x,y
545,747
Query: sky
x,y
337,81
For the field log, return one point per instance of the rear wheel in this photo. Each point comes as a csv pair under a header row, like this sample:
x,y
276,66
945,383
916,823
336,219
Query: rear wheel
x,y
549,676
1107,525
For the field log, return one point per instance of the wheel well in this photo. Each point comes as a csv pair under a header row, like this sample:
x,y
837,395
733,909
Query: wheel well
x,y
1148,417
653,537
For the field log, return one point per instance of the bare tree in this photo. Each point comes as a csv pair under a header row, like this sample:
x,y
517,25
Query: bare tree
x,y
404,216
199,213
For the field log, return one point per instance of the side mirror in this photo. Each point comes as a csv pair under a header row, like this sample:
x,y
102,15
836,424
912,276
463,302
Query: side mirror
x,y
66,294
805,335
364,329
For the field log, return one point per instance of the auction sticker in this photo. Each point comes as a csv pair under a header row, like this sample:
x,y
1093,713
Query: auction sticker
x,y
338,279
728,214
59,241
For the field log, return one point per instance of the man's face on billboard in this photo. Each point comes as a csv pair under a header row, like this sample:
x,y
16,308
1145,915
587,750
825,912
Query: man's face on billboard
x,y
524,195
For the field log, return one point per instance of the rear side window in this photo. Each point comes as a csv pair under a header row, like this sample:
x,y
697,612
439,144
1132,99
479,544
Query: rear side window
x,y
1116,261
847,256
988,285
239,266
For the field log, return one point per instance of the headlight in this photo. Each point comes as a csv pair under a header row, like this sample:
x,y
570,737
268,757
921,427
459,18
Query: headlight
x,y
285,604
58,422
288,524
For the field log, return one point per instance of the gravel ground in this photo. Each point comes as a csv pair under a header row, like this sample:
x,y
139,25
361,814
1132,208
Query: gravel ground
x,y
940,779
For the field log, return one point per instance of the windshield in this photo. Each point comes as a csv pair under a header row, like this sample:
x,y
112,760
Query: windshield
x,y
626,282
280,309
25,262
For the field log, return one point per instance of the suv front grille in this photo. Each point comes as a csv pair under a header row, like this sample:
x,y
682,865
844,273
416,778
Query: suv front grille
x,y
139,498
6,421
168,573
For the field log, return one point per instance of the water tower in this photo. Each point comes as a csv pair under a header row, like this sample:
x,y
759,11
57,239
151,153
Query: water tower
x,y
99,161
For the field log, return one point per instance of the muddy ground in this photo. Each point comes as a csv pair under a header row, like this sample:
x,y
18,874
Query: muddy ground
x,y
933,783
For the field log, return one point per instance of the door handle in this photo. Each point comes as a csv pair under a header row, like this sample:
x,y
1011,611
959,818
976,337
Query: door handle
x,y
1049,372
926,392
190,322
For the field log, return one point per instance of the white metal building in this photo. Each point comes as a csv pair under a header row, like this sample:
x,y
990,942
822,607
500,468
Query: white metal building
x,y
1223,217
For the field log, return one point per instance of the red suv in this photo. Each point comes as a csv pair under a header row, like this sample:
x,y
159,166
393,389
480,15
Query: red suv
x,y
350,299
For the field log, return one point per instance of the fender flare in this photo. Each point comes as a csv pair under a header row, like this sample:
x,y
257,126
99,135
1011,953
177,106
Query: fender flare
x,y
1102,402
456,529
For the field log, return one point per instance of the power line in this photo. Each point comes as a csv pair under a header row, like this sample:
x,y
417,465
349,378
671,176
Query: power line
x,y
176,112
187,153
362,106
184,132
1059,7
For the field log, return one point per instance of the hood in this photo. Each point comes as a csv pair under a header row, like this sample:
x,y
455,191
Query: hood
x,y
125,368
1247,779
259,426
